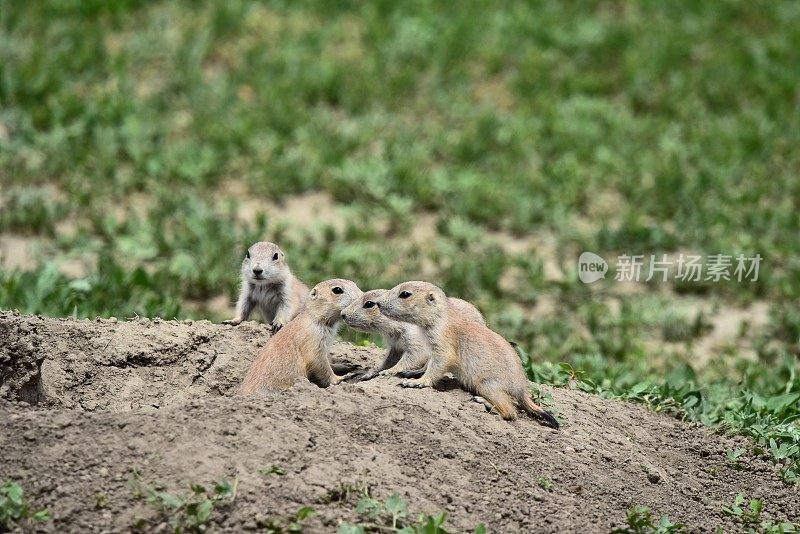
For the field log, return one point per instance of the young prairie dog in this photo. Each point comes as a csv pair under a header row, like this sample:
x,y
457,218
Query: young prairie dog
x,y
484,362
269,285
409,349
408,346
300,349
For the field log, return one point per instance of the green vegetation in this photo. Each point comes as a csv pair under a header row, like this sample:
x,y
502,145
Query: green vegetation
x,y
483,146
735,454
392,516
273,470
15,508
764,405
294,523
194,512
191,513
640,520
748,513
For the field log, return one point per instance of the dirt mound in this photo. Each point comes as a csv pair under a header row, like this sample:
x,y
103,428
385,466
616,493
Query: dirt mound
x,y
103,398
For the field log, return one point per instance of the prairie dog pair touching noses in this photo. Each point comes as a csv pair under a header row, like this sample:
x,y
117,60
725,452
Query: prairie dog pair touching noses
x,y
480,358
269,286
300,349
409,349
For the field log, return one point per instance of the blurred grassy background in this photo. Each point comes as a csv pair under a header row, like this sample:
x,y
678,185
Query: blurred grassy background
x,y
480,145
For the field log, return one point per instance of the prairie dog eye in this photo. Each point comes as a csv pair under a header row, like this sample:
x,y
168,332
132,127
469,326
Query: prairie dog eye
x,y
404,294
275,257
369,304
247,254
337,290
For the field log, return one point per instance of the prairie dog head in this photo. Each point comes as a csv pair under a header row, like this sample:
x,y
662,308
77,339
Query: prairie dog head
x,y
364,313
327,299
419,303
264,264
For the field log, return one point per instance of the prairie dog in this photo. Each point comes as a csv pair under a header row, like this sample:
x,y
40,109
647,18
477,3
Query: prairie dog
x,y
409,349
484,362
269,285
300,349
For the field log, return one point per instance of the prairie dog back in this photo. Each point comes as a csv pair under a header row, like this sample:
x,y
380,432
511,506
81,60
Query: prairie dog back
x,y
481,359
467,309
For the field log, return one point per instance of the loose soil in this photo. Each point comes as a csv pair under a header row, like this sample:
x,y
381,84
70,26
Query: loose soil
x,y
84,403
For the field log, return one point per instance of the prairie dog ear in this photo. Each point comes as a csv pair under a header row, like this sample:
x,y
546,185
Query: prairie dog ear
x,y
431,298
313,294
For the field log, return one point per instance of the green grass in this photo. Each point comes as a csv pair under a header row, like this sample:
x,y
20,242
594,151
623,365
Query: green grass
x,y
142,140
15,508
763,406
640,520
190,513
294,523
391,515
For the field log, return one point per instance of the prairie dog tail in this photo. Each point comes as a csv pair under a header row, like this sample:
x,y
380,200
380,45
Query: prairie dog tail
x,y
537,411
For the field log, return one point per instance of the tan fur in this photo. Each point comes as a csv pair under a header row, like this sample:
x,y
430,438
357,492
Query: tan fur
x,y
480,358
274,291
467,309
300,349
408,346
409,349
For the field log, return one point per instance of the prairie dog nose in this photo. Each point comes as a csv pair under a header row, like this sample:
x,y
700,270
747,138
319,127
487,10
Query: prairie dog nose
x,y
344,316
258,272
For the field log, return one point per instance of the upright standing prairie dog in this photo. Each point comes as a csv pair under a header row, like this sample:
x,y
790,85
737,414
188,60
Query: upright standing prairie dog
x,y
480,358
300,349
409,349
269,285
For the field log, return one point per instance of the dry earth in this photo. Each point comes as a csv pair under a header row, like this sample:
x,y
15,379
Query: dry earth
x,y
84,403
